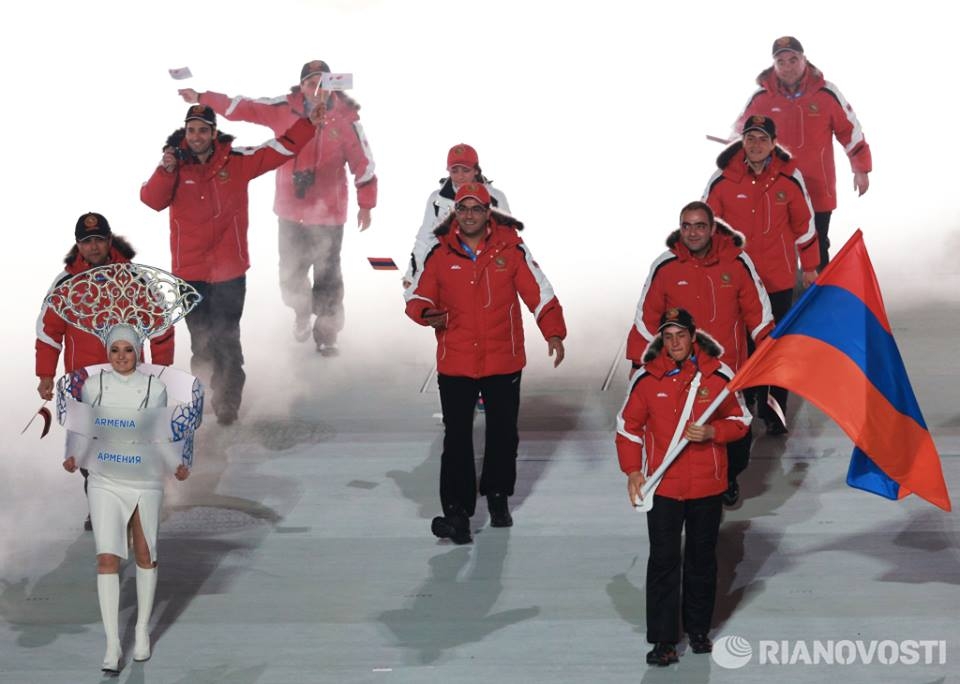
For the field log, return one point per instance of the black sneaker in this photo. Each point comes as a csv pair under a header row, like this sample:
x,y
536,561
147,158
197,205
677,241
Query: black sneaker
x,y
732,495
700,643
454,528
499,512
663,654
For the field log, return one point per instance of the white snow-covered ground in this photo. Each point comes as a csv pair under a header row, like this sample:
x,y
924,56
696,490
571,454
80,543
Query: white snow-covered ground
x,y
299,550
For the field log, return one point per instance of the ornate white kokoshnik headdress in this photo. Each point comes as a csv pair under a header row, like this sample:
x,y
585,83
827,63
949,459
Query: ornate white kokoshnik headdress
x,y
146,298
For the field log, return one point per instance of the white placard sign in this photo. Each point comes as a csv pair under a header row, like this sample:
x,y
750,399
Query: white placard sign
x,y
131,444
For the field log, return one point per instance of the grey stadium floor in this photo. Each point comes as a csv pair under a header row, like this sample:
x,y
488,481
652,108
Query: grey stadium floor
x,y
299,549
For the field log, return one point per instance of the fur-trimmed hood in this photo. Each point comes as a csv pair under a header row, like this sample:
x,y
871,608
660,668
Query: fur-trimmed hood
x,y
734,149
724,233
498,217
119,246
702,344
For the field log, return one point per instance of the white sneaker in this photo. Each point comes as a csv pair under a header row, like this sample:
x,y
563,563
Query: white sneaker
x,y
328,350
302,329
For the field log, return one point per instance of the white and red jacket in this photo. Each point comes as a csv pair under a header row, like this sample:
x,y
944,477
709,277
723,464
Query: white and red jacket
x,y
484,331
81,348
721,290
341,142
653,407
807,122
771,209
208,202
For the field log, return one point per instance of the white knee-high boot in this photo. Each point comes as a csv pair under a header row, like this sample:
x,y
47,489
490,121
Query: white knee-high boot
x,y
108,592
146,589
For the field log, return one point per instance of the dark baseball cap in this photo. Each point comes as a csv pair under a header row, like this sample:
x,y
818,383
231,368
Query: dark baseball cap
x,y
679,318
91,225
317,66
199,112
786,43
760,123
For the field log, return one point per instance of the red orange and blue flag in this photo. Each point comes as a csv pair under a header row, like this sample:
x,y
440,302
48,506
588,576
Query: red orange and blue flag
x,y
836,349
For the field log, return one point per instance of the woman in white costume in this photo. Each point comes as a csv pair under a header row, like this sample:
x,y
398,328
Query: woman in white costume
x,y
118,506
463,165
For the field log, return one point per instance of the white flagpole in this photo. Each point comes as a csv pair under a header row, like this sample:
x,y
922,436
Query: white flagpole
x,y
650,486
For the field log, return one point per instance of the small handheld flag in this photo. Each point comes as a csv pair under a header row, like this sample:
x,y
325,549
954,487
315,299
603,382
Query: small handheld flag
x,y
382,263
43,412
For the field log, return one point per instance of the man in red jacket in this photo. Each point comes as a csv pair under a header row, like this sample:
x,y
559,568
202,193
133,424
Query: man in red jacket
x,y
809,112
706,272
96,245
311,195
203,180
758,190
468,292
656,413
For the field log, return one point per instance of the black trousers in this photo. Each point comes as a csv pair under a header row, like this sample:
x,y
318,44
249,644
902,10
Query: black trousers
x,y
821,220
738,456
215,340
458,477
780,303
681,584
301,249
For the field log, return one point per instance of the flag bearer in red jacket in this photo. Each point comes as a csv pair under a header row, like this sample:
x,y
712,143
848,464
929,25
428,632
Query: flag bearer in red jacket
x,y
658,411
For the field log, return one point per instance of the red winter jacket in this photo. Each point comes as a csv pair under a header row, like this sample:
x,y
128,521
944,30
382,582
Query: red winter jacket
x,y
722,291
81,348
772,211
653,407
484,333
340,142
806,125
208,202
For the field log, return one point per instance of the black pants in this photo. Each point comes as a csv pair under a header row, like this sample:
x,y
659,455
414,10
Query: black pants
x,y
738,456
215,340
690,592
821,221
780,303
458,477
303,248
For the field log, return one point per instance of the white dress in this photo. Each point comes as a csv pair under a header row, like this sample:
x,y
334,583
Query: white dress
x,y
113,500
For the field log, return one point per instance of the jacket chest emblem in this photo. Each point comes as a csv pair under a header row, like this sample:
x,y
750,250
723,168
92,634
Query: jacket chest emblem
x,y
725,280
781,197
703,394
500,263
813,109
333,132
223,175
